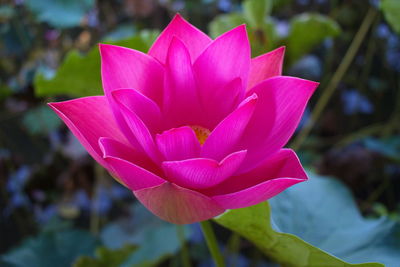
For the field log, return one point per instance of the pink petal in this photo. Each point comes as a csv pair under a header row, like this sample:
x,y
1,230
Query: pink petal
x,y
225,59
178,205
202,173
142,106
193,38
122,67
115,149
277,173
133,176
89,118
137,127
178,144
266,66
281,104
223,139
181,100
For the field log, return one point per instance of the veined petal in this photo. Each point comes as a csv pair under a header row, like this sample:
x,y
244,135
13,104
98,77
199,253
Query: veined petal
x,y
178,205
266,66
281,104
223,139
122,67
178,144
181,99
133,176
277,173
113,148
226,58
142,106
200,173
194,39
138,129
89,118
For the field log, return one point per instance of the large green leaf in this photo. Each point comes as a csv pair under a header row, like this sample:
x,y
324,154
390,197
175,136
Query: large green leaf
x,y
79,75
51,249
60,13
391,10
224,23
308,30
322,212
157,239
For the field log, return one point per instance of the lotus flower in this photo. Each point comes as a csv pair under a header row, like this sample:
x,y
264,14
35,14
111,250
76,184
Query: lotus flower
x,y
195,126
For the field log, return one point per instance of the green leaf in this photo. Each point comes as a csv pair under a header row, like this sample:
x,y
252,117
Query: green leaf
x,y
60,13
391,10
323,213
79,75
146,230
40,120
51,249
307,31
106,257
255,11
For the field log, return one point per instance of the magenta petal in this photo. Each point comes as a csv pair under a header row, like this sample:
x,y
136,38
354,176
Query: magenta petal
x,y
122,67
115,149
142,106
202,173
138,128
225,59
178,144
89,118
178,205
181,100
276,174
193,38
133,176
281,104
223,139
266,66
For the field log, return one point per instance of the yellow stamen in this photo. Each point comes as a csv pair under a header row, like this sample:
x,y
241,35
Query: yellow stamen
x,y
201,133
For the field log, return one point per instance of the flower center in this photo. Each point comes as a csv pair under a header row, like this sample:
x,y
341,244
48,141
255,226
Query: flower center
x,y
201,133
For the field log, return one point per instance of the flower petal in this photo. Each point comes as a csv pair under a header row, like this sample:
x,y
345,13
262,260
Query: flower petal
x,y
193,38
178,205
137,127
178,144
225,59
266,66
122,67
142,106
181,100
281,104
89,118
200,173
133,176
115,149
277,173
223,139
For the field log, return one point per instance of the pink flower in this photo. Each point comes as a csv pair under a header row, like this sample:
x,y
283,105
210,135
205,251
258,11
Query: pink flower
x,y
195,126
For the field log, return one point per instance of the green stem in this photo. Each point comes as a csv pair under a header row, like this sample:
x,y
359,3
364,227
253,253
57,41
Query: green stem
x,y
185,258
336,78
212,243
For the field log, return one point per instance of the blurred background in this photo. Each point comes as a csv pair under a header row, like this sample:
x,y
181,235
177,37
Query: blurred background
x,y
59,208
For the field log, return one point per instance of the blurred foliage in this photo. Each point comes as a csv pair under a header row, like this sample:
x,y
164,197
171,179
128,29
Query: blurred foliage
x,y
60,13
73,77
58,208
264,34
